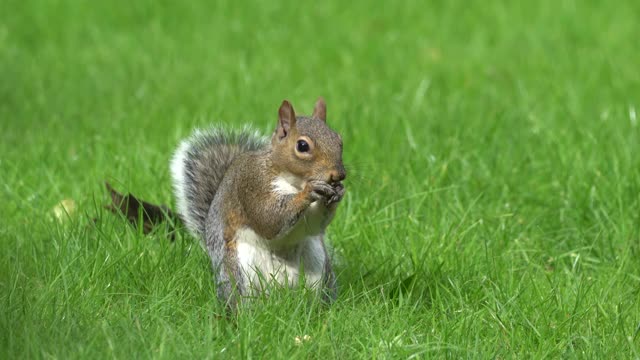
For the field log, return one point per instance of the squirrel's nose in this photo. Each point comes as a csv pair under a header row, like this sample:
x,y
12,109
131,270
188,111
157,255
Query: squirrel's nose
x,y
338,174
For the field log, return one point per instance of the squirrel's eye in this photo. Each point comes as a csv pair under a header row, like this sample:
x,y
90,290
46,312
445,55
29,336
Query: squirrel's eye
x,y
302,146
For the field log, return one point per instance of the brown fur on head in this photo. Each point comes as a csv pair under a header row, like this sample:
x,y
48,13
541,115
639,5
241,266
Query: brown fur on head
x,y
320,158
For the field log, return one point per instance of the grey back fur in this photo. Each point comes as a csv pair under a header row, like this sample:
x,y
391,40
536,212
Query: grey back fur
x,y
199,165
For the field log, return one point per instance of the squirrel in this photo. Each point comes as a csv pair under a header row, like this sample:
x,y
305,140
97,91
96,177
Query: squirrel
x,y
261,206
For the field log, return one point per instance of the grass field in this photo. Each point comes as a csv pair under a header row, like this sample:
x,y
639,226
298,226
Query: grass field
x,y
493,205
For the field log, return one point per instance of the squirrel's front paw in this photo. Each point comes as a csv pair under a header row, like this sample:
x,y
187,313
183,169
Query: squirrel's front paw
x,y
321,190
337,195
328,193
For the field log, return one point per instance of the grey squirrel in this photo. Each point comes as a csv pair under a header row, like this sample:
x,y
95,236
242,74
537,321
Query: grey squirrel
x,y
261,206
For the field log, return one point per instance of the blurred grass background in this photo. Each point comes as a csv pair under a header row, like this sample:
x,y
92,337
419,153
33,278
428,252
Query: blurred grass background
x,y
493,197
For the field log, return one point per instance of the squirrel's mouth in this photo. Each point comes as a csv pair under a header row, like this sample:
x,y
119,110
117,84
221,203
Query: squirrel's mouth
x,y
333,183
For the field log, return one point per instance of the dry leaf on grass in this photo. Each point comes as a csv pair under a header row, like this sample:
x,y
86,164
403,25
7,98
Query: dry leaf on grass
x,y
64,209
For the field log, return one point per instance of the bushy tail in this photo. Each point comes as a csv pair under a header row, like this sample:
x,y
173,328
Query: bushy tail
x,y
198,166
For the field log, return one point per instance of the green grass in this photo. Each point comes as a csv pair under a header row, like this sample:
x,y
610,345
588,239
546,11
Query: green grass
x,y
493,204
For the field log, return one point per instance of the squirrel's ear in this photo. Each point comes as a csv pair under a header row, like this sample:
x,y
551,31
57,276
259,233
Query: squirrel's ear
x,y
286,119
320,111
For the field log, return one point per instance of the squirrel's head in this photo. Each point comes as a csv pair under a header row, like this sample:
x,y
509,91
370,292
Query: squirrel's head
x,y
306,147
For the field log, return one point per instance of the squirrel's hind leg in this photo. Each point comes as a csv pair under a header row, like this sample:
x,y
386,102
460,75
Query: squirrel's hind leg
x,y
224,261
329,292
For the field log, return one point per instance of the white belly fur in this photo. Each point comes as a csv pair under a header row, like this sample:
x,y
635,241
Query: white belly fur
x,y
301,249
260,265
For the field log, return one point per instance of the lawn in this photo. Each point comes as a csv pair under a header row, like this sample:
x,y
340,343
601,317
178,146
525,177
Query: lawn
x,y
493,196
